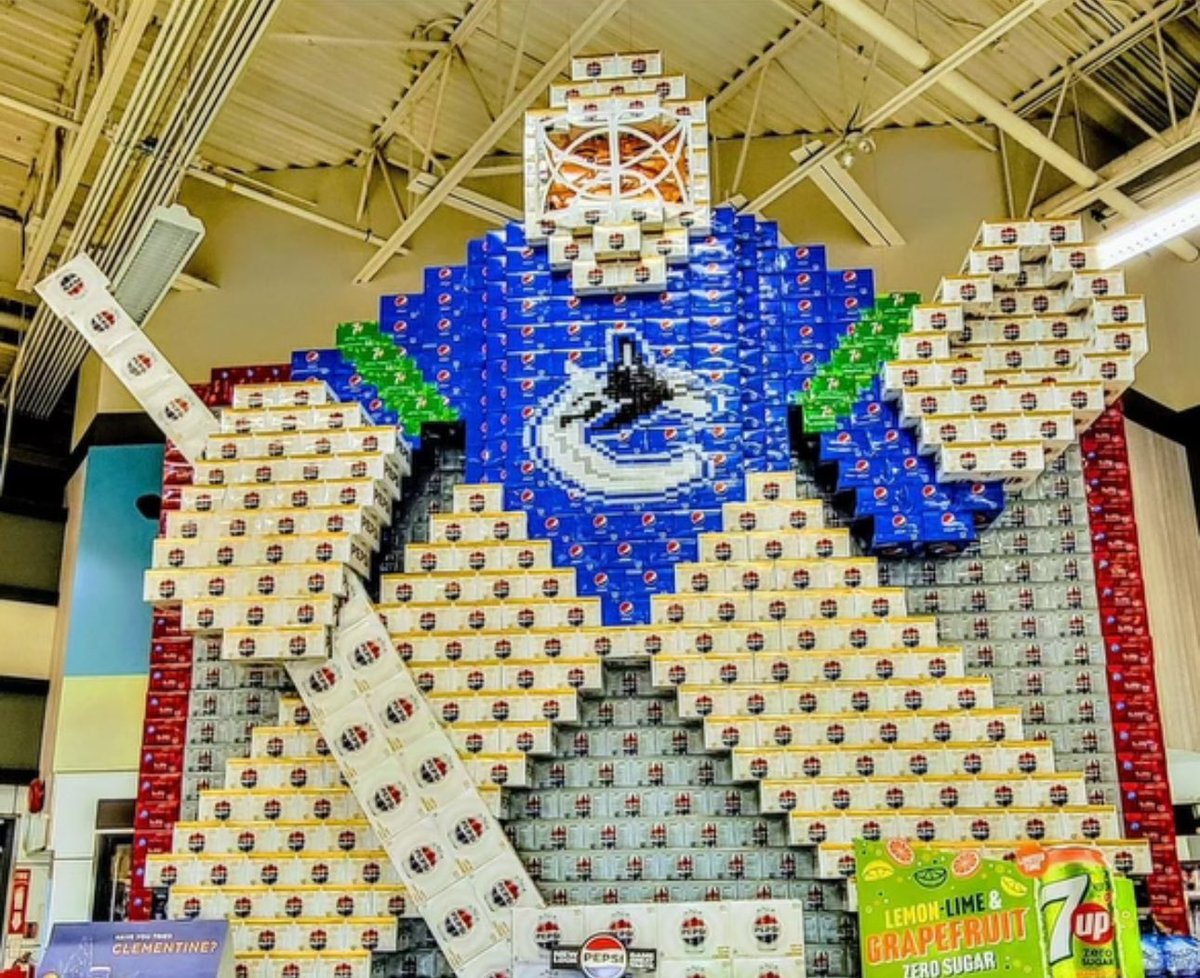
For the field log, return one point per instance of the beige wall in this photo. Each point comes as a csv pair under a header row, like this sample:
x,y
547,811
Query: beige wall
x,y
26,639
935,185
284,283
1170,553
1170,373
30,550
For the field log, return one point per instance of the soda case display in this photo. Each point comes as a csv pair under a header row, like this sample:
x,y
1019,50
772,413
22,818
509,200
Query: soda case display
x,y
1022,601
199,711
227,701
1036,340
79,293
954,806
1129,654
510,312
290,607
696,932
359,748
291,863
397,759
559,816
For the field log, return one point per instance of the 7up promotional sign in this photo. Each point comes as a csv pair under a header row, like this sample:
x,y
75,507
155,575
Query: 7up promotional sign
x,y
929,912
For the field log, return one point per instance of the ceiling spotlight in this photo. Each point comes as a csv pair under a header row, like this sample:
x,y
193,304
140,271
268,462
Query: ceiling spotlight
x,y
854,145
862,143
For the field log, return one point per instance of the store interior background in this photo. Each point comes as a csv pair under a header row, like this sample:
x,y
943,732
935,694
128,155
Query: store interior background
x,y
282,284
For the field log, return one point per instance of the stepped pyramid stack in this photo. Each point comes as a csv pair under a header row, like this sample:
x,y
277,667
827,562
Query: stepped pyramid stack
x,y
842,716
284,514
485,738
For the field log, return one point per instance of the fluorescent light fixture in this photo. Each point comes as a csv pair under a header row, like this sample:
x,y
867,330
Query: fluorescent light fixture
x,y
163,246
1144,234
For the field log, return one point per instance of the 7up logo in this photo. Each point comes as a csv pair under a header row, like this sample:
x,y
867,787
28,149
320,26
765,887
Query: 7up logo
x,y
1069,917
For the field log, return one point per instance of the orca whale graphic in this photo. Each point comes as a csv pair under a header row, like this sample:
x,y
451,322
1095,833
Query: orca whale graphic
x,y
578,434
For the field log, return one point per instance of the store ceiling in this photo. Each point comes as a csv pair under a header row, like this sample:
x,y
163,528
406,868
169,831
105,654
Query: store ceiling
x,y
331,82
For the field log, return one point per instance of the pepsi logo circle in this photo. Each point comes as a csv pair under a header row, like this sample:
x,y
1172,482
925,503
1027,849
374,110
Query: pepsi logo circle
x,y
603,956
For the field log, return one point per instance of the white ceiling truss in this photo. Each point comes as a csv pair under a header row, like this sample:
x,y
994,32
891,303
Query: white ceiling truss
x,y
426,97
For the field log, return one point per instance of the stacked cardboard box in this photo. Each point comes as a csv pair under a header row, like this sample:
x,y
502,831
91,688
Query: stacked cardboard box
x,y
1137,728
990,788
281,849
1043,334
617,174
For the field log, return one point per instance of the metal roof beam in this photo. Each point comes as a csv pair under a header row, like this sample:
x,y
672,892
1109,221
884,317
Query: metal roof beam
x,y
471,21
911,92
286,206
120,61
343,40
852,201
762,60
25,108
1110,47
509,114
874,24
1129,166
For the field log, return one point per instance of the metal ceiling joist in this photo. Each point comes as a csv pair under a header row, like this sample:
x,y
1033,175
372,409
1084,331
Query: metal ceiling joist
x,y
286,206
903,44
1119,106
599,16
43,115
120,58
1129,166
337,40
935,106
47,157
908,94
192,283
471,21
762,60
131,182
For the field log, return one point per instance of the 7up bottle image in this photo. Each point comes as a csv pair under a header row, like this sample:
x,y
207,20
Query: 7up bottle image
x,y
1077,910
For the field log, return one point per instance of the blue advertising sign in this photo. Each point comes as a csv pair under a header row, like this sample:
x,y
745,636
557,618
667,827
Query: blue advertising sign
x,y
152,949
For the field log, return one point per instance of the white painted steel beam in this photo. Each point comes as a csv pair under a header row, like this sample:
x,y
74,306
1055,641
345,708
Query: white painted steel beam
x,y
1141,159
43,115
472,20
911,92
994,111
119,61
587,28
762,60
286,206
853,202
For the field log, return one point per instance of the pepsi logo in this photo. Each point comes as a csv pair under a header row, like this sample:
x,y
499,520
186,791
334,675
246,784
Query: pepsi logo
x,y
693,931
767,929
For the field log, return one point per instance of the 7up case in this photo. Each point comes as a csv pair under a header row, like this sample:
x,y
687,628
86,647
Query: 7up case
x,y
1089,929
928,911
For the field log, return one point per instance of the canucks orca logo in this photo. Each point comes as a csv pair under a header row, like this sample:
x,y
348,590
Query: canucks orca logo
x,y
624,430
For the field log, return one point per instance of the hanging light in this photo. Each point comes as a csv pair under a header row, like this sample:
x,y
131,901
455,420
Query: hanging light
x,y
1146,233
